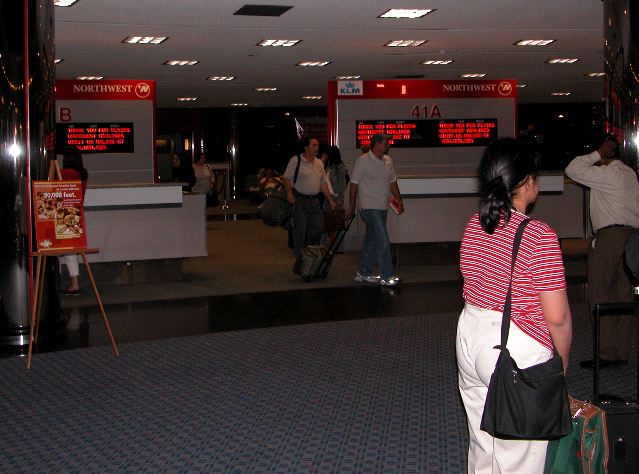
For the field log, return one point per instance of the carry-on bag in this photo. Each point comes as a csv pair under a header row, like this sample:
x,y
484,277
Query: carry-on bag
x,y
585,450
316,259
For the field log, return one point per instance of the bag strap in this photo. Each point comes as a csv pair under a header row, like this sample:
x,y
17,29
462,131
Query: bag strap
x,y
297,169
505,320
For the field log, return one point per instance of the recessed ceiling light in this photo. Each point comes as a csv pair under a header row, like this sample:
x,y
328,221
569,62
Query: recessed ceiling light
x,y
312,97
57,60
562,60
313,63
186,99
404,13
220,78
265,89
346,78
560,93
89,78
239,104
64,3
404,43
473,75
595,74
521,85
437,62
278,42
533,42
180,62
144,39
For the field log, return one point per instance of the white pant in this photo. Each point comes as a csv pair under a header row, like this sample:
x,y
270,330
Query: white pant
x,y
72,263
478,331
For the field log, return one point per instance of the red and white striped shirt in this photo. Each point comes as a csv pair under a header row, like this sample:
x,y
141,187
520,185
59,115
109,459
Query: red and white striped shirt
x,y
485,265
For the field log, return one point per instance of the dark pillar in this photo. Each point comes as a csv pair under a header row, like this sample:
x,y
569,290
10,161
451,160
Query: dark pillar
x,y
26,145
621,59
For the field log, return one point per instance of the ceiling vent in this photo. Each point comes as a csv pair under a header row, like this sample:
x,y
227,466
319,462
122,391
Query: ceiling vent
x,y
262,10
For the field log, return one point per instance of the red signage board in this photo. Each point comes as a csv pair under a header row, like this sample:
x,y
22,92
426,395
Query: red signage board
x,y
59,215
122,89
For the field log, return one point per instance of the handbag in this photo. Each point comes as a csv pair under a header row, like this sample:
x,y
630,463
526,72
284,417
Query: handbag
x,y
585,449
530,403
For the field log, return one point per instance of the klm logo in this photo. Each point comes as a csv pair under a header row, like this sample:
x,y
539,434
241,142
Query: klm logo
x,y
350,88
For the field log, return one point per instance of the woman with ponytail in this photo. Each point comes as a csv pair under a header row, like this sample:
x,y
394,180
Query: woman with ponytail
x,y
540,313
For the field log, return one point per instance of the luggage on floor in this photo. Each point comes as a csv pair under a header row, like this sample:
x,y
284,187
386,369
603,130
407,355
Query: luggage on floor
x,y
622,416
316,259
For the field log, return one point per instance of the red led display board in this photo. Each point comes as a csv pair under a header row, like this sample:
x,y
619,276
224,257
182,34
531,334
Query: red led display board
x,y
428,133
95,137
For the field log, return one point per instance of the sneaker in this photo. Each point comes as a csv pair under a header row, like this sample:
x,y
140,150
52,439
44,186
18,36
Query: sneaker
x,y
391,281
366,278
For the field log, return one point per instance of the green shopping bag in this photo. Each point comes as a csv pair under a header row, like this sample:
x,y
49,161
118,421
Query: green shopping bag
x,y
585,450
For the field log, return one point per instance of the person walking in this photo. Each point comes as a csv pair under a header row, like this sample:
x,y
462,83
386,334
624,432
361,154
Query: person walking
x,y
540,315
372,184
304,178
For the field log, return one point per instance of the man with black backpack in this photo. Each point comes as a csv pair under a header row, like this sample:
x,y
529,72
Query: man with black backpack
x,y
303,180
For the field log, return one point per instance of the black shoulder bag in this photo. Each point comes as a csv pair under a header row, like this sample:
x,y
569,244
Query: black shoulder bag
x,y
531,403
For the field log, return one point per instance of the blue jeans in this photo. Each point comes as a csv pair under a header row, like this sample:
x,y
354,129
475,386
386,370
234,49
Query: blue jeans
x,y
376,247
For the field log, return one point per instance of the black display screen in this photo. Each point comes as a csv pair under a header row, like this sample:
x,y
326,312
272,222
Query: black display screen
x,y
95,137
428,133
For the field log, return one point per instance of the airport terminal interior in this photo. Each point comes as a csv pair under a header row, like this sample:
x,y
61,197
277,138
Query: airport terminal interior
x,y
193,346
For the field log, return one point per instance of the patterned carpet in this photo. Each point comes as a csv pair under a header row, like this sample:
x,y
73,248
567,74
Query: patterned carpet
x,y
374,395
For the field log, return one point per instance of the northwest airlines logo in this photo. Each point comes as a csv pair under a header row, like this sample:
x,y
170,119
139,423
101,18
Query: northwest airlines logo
x,y
142,90
505,88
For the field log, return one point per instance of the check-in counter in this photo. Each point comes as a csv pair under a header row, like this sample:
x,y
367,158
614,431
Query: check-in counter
x,y
130,222
437,208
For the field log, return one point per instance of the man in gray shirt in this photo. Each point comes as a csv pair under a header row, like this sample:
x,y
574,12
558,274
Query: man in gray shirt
x,y
302,191
372,183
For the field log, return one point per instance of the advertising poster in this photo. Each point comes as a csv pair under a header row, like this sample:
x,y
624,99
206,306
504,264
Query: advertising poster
x,y
59,215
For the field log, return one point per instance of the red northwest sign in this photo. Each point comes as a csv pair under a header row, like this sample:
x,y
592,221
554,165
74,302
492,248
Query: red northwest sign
x,y
105,90
59,215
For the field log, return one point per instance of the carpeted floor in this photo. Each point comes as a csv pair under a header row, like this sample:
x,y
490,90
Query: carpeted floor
x,y
372,395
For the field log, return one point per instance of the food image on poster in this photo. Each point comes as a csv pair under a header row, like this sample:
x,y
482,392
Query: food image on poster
x,y
59,215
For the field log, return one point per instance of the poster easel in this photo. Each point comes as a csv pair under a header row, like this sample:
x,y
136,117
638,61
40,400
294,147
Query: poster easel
x,y
41,259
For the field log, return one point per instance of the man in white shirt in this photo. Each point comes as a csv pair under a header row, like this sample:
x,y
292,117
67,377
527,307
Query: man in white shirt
x,y
303,180
372,183
614,214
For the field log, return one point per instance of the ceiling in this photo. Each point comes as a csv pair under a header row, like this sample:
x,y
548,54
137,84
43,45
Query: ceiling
x,y
477,35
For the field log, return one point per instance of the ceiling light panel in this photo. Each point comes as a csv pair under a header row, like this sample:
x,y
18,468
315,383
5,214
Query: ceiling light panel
x,y
262,10
57,60
473,75
346,78
545,42
180,62
64,3
186,99
265,89
144,39
560,93
313,63
312,97
562,60
404,43
279,42
239,104
437,62
404,13
595,74
220,78
89,78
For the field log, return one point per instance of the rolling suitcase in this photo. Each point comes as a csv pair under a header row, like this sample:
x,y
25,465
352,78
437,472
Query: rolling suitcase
x,y
316,259
622,416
